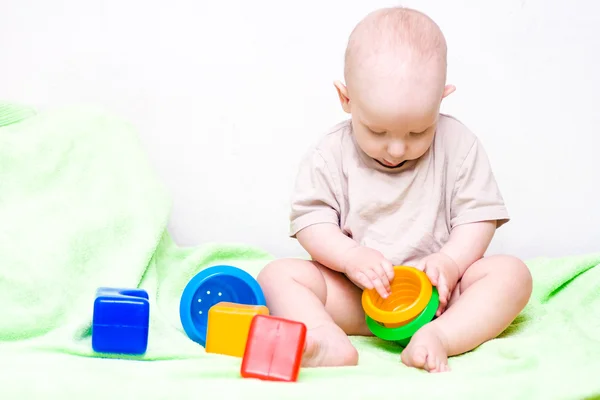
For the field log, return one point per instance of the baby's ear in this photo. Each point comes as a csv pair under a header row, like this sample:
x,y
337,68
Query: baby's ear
x,y
449,89
343,95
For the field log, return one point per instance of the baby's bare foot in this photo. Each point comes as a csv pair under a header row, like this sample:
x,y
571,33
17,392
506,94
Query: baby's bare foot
x,y
328,346
427,350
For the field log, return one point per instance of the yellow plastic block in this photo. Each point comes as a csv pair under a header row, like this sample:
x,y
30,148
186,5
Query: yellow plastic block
x,y
228,326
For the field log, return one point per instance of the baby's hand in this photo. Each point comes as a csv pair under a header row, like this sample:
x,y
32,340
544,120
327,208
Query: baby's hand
x,y
368,269
443,273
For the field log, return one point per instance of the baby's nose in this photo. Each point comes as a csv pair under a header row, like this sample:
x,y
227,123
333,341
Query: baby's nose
x,y
396,149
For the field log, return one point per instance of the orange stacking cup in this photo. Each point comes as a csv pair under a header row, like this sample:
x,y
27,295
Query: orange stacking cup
x,y
411,290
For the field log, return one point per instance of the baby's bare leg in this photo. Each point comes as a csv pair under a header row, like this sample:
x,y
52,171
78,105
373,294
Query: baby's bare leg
x,y
491,294
324,300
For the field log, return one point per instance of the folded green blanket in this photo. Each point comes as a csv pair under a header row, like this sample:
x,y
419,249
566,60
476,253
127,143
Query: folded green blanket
x,y
81,207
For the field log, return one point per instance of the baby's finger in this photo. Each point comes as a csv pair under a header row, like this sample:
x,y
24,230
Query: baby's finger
x,y
382,274
443,294
377,283
433,274
421,265
443,289
388,268
363,280
440,310
381,289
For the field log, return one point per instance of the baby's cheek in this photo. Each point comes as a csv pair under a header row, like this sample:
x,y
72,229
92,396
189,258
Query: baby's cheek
x,y
372,149
371,145
420,146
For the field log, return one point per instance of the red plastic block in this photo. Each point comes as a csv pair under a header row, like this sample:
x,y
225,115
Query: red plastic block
x,y
274,349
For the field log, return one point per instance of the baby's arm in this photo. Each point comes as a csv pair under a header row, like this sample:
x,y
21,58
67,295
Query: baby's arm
x,y
315,216
366,267
326,244
468,243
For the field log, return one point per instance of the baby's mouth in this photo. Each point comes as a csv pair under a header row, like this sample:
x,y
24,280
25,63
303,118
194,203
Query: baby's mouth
x,y
390,165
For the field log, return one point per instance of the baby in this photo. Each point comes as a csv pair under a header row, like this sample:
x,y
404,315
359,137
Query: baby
x,y
397,184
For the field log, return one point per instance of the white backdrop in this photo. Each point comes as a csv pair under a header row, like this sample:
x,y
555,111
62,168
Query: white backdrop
x,y
227,96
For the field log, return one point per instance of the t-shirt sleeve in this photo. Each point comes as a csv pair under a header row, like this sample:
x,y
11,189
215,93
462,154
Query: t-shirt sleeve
x,y
314,197
476,196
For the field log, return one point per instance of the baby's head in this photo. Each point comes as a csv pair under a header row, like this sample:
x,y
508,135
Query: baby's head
x,y
395,73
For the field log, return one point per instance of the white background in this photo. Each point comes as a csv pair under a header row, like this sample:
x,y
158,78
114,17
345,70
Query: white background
x,y
227,96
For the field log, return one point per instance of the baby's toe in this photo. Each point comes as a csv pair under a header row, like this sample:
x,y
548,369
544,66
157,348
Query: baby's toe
x,y
414,356
433,363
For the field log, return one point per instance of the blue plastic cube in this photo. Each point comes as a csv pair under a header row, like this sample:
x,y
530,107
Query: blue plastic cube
x,y
121,321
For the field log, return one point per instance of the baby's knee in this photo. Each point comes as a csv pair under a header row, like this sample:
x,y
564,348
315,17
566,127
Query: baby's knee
x,y
517,274
272,272
291,270
286,268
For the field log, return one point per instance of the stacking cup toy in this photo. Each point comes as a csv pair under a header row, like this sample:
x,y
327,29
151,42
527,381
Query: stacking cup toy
x,y
220,283
412,303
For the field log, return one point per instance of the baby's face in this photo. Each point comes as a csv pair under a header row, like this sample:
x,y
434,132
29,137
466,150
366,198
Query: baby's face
x,y
392,137
395,123
394,99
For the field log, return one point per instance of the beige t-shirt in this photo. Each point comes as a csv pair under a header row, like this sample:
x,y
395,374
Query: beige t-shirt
x,y
406,213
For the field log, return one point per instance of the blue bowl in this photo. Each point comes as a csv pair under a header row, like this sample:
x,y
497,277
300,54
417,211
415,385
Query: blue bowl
x,y
211,286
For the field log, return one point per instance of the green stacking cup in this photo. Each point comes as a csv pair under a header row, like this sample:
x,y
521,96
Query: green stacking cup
x,y
403,334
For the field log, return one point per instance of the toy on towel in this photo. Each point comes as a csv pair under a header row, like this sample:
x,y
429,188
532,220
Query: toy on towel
x,y
412,303
274,349
213,285
120,321
228,327
223,309
271,348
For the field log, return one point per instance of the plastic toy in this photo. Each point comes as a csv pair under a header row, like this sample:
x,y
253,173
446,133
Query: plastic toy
x,y
274,349
120,321
228,327
412,303
220,283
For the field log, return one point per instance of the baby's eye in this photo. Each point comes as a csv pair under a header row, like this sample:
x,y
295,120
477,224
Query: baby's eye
x,y
419,133
377,133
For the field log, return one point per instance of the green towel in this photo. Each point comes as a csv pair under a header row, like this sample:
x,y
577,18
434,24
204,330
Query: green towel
x,y
81,207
